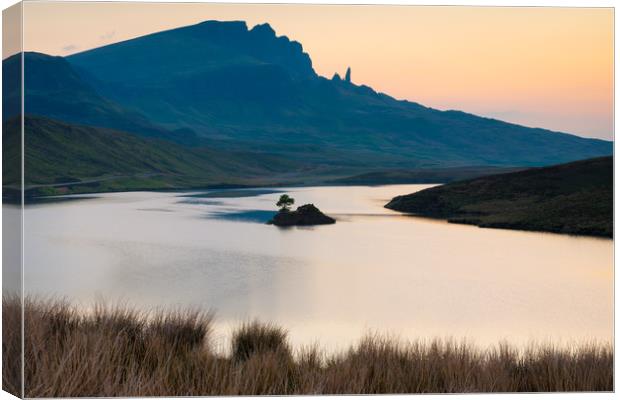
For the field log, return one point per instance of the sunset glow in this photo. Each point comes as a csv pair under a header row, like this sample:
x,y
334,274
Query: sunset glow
x,y
544,67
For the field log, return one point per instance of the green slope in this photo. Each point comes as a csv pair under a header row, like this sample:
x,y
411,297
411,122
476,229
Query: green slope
x,y
64,158
575,198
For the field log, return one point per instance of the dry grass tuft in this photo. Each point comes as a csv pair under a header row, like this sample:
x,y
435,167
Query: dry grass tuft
x,y
116,351
12,346
255,338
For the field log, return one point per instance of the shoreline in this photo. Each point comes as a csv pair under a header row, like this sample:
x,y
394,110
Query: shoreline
x,y
195,192
225,187
506,227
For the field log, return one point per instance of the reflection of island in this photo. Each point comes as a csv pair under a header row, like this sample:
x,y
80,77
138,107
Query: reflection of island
x,y
305,215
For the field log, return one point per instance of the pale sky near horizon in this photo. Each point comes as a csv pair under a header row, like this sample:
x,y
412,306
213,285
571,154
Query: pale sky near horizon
x,y
541,67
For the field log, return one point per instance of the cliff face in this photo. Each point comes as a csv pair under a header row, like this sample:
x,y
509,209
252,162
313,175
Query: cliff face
x,y
193,50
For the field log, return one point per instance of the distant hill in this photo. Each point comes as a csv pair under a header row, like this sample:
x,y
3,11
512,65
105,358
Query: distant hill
x,y
422,175
575,198
62,158
66,158
227,87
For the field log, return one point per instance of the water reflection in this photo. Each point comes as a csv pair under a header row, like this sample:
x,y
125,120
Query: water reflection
x,y
373,270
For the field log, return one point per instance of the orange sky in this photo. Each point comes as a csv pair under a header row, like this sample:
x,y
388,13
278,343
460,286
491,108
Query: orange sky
x,y
546,67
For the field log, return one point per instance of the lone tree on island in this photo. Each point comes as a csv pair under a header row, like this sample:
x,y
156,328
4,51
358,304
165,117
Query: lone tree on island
x,y
285,202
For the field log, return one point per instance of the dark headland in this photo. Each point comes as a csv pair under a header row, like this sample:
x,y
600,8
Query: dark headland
x,y
573,198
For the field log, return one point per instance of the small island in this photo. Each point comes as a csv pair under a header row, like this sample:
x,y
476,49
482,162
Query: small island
x,y
306,215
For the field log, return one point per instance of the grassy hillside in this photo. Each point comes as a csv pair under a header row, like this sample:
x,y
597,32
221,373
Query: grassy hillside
x,y
63,158
575,198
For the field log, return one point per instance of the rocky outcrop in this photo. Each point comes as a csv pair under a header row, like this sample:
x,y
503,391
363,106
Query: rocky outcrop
x,y
347,76
305,215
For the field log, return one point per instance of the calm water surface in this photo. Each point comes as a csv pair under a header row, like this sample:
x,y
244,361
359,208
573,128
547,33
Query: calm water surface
x,y
373,271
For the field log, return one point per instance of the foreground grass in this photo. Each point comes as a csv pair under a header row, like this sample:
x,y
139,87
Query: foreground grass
x,y
122,352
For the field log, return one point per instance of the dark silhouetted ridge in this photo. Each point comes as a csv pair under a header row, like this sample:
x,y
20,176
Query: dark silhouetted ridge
x,y
237,89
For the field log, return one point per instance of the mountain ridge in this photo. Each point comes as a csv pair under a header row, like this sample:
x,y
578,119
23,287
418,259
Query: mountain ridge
x,y
232,88
269,106
223,31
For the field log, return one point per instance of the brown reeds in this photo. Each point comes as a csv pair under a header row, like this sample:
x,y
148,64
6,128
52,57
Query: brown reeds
x,y
115,351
